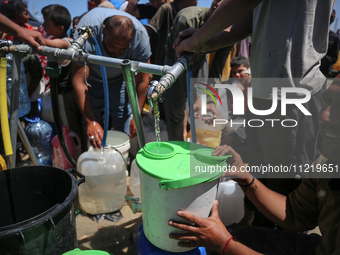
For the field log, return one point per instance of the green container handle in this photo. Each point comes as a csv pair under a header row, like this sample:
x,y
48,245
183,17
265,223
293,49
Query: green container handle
x,y
205,156
176,184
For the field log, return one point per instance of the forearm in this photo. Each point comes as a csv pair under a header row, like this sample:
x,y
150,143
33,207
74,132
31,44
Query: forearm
x,y
8,26
227,14
142,81
58,43
231,35
132,8
270,203
81,93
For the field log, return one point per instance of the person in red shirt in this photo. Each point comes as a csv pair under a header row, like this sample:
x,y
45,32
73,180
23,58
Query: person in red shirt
x,y
17,12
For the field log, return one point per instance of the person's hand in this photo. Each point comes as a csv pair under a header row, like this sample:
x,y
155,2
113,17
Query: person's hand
x,y
184,42
211,107
238,172
32,38
133,131
209,232
208,119
197,108
95,134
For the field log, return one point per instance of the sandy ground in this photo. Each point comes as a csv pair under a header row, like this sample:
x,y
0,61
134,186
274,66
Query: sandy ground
x,y
114,237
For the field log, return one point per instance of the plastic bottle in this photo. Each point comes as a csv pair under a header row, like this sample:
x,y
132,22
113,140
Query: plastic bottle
x,y
40,133
105,187
24,100
230,201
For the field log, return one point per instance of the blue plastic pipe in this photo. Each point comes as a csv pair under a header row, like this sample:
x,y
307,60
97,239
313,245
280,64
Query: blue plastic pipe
x,y
106,92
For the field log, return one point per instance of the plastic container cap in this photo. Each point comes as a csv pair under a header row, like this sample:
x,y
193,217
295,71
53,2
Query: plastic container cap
x,y
180,164
88,252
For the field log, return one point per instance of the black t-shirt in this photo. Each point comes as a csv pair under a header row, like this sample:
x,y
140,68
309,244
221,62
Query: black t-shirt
x,y
146,11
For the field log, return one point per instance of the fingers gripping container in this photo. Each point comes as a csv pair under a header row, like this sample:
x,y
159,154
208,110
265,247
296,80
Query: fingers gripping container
x,y
176,176
146,248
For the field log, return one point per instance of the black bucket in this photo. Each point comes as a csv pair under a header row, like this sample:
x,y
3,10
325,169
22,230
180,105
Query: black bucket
x,y
37,211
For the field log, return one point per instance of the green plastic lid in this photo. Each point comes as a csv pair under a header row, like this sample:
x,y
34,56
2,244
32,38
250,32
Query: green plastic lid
x,y
88,252
180,164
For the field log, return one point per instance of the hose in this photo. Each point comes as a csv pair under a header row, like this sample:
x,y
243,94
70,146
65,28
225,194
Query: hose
x,y
53,72
6,137
106,92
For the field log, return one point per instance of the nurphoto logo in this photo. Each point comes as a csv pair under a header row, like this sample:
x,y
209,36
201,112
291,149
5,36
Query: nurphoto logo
x,y
239,102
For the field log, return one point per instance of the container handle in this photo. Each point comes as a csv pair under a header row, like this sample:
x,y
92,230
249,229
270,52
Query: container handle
x,y
205,155
78,174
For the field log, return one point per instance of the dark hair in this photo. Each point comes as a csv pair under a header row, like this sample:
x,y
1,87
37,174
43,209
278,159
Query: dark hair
x,y
237,61
117,21
58,14
11,7
76,17
332,18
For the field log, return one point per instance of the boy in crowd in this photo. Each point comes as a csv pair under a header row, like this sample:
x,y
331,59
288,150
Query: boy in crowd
x,y
57,21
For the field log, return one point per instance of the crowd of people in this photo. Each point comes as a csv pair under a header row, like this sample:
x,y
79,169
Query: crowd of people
x,y
299,56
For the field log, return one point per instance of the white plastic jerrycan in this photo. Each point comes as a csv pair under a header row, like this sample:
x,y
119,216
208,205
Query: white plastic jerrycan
x,y
104,189
230,201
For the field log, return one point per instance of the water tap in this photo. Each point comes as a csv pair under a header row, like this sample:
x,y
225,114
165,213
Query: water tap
x,y
135,203
154,96
85,32
4,46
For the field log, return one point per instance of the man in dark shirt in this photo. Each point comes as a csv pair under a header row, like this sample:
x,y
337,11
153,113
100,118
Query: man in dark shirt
x,y
144,11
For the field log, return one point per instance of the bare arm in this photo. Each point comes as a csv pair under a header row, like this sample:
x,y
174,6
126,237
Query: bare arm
x,y
57,43
33,38
142,83
227,14
132,8
237,32
208,232
84,103
270,203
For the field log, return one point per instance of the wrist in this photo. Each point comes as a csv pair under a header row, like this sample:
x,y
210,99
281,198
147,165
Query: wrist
x,y
227,245
90,122
246,182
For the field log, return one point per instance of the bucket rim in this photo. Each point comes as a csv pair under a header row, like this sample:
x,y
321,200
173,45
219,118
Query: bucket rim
x,y
45,216
120,135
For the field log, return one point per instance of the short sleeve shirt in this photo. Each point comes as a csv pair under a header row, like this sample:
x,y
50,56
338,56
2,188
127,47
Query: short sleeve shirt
x,y
289,39
139,48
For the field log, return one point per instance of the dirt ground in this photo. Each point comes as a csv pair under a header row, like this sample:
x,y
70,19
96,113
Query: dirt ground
x,y
117,238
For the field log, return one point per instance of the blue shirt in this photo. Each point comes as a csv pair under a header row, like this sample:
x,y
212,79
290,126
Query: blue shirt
x,y
139,50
